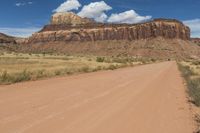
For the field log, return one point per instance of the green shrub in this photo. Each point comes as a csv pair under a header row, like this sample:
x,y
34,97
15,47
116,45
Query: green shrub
x,y
58,72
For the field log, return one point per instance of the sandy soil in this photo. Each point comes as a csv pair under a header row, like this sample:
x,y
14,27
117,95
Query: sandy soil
x,y
143,99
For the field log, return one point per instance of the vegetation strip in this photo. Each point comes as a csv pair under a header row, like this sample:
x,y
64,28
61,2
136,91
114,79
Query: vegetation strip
x,y
192,79
16,67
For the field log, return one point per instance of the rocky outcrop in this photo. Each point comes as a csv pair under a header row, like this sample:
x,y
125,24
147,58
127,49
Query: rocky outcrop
x,y
68,27
68,18
5,39
196,41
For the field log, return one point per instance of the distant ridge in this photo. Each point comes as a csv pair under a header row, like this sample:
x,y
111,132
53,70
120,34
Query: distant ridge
x,y
6,39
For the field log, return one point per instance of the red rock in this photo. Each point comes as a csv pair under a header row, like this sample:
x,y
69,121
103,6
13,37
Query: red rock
x,y
170,29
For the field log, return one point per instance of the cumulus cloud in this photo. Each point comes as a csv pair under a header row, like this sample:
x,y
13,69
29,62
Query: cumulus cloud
x,y
194,26
19,32
96,11
23,3
129,17
68,6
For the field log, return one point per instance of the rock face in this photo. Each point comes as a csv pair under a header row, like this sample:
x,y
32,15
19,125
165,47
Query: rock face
x,y
67,27
68,18
69,33
5,39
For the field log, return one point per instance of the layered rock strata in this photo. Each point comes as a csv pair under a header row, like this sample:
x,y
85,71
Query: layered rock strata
x,y
67,27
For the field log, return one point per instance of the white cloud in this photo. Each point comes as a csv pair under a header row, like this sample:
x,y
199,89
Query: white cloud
x,y
68,6
23,3
194,26
96,11
128,17
30,2
19,32
20,4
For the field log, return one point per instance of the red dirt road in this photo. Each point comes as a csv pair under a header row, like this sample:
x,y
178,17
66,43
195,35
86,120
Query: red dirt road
x,y
143,99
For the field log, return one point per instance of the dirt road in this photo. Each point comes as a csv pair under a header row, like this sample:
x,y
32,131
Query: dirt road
x,y
143,99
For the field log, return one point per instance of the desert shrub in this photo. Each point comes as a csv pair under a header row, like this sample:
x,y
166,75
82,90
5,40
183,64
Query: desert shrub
x,y
154,60
85,69
23,76
100,59
58,72
14,78
97,69
121,60
196,62
112,67
40,73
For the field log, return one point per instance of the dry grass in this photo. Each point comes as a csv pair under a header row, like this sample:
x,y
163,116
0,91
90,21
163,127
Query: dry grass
x,y
17,67
191,72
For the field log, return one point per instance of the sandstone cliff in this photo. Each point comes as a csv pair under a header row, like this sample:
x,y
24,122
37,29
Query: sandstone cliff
x,y
68,33
67,27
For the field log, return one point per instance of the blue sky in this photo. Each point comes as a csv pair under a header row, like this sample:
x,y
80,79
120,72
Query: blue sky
x,y
23,17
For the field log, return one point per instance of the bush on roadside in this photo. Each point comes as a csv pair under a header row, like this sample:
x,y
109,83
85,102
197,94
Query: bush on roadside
x,y
23,76
85,69
14,78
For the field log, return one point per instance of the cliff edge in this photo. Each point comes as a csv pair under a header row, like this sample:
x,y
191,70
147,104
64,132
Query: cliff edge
x,y
67,27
